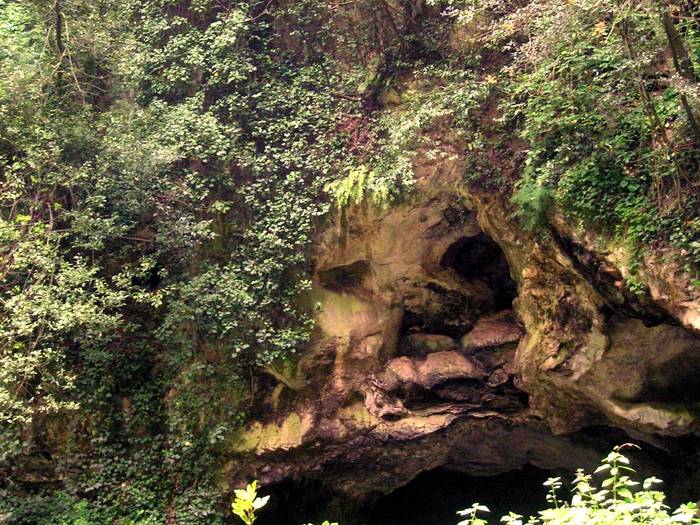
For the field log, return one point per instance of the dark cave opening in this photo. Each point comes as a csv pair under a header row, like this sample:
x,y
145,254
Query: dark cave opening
x,y
480,285
431,498
294,502
346,277
676,381
481,258
434,497
450,313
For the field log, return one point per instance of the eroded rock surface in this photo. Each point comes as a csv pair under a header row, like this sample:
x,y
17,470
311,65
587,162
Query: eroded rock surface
x,y
448,336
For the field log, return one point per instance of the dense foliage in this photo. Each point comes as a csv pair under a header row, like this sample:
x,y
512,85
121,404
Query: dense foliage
x,y
609,114
161,172
165,163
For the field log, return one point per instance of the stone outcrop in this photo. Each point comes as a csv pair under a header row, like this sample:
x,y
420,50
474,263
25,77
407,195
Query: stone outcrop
x,y
448,336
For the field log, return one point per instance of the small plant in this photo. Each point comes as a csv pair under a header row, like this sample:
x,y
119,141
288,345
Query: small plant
x,y
533,201
353,188
615,501
247,503
380,186
471,514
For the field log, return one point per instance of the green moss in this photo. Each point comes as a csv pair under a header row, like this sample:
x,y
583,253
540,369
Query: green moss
x,y
273,436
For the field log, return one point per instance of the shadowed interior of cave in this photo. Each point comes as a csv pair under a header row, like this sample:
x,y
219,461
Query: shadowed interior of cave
x,y
434,497
295,503
481,286
677,381
479,257
431,498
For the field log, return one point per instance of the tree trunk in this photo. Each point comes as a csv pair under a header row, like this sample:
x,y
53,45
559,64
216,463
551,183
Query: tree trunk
x,y
683,64
60,47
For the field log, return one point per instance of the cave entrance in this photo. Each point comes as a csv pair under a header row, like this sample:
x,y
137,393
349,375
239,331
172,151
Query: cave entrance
x,y
294,502
480,258
431,498
434,497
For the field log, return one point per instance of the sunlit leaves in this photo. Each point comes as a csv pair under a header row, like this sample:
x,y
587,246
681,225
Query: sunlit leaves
x,y
615,500
247,503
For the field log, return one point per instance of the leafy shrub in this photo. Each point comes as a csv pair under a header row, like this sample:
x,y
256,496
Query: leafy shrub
x,y
609,142
532,201
441,96
615,501
247,503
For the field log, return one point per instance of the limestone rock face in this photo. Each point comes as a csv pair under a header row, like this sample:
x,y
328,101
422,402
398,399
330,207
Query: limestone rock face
x,y
492,331
448,336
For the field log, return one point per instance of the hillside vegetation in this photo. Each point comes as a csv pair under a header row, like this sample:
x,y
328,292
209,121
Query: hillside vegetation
x,y
166,164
